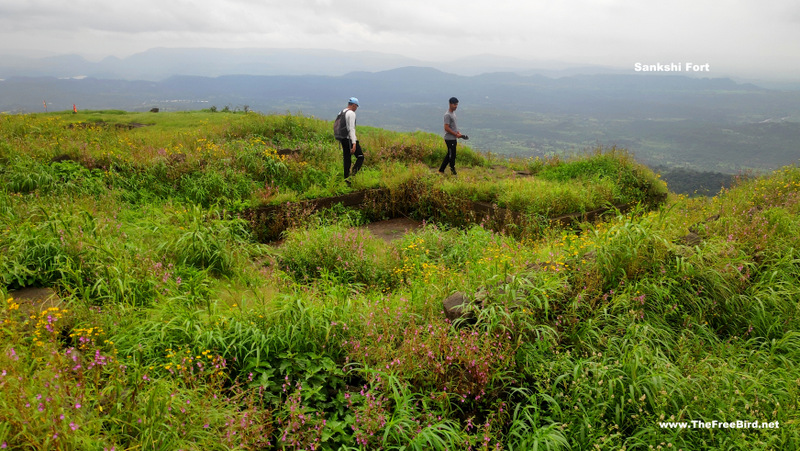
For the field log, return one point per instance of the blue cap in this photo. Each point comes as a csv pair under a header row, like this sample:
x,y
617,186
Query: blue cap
x,y
353,100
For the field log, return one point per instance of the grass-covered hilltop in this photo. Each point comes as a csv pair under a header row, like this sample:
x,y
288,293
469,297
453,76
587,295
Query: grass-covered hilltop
x,y
207,281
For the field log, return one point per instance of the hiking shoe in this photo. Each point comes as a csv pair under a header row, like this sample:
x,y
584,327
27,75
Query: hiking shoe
x,y
454,171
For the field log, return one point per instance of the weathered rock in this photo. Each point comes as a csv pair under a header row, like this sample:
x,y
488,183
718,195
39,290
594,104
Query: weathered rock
x,y
457,306
691,239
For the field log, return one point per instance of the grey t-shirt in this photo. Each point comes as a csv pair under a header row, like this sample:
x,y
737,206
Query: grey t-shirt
x,y
450,119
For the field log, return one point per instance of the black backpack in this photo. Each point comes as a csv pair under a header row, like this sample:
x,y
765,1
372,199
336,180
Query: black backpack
x,y
340,126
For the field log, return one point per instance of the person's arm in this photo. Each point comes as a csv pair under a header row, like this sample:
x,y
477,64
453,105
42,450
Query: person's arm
x,y
350,116
449,130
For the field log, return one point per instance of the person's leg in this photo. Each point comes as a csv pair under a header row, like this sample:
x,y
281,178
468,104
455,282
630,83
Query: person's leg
x,y
446,156
450,158
346,157
359,158
453,156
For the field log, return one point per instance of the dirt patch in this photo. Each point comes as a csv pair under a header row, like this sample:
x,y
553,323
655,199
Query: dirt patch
x,y
393,229
388,230
34,300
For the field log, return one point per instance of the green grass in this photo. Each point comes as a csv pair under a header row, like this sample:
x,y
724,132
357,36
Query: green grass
x,y
177,329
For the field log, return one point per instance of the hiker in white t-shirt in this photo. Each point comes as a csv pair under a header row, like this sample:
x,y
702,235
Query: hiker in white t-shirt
x,y
350,144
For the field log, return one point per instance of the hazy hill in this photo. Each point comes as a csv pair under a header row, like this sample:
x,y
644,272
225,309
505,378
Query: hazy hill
x,y
160,63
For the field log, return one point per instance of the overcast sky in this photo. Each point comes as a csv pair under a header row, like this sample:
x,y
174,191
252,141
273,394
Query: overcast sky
x,y
734,37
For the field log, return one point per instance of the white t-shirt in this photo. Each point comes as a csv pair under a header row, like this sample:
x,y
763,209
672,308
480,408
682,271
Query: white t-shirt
x,y
350,118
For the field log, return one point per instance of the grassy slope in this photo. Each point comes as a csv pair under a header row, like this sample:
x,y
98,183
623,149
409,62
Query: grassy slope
x,y
178,330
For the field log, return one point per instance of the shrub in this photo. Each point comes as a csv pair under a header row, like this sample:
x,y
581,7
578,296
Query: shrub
x,y
208,242
32,256
348,255
24,175
225,187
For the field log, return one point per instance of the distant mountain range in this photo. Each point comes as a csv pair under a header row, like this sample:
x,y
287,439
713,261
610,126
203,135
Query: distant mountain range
x,y
709,124
161,63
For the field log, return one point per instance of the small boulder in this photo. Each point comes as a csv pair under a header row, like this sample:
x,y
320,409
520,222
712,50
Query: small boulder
x,y
457,306
691,239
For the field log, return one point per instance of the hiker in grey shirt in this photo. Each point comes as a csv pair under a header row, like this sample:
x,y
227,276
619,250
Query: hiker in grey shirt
x,y
451,135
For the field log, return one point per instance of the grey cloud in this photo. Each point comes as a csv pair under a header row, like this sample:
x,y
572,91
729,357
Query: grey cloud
x,y
587,31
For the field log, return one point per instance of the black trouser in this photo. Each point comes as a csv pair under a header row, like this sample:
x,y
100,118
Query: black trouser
x,y
450,158
346,146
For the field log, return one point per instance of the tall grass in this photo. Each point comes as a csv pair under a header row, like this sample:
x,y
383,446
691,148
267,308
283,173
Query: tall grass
x,y
172,327
345,254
